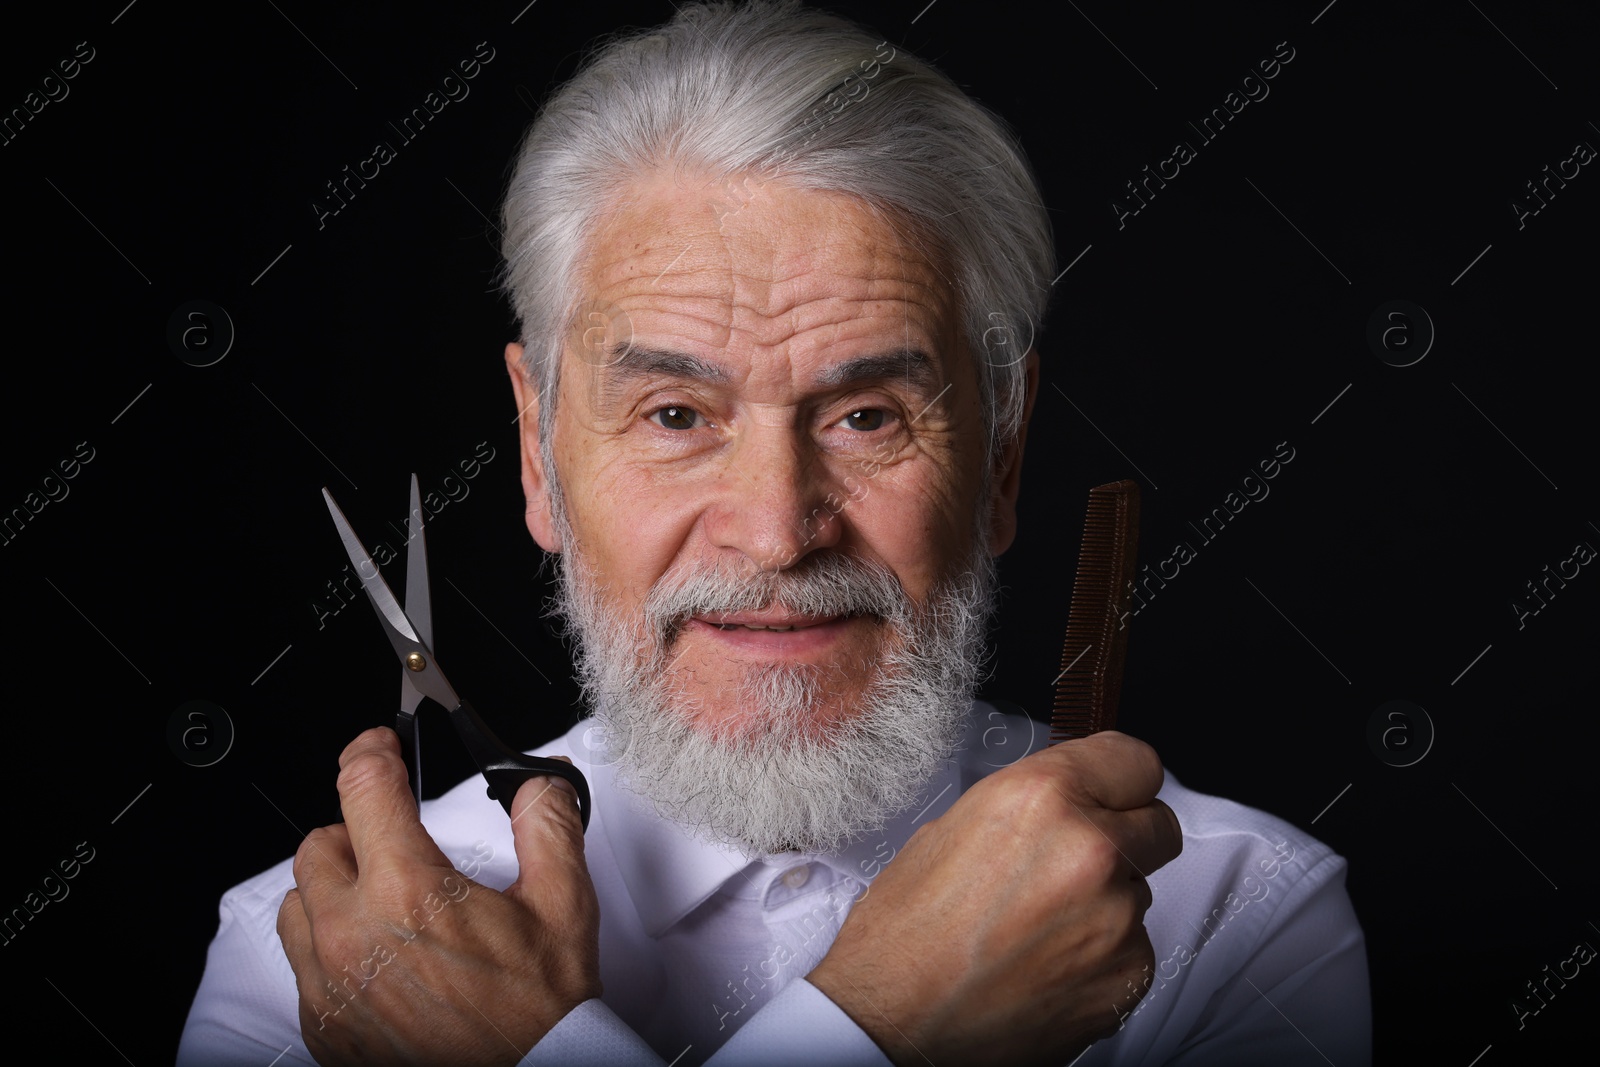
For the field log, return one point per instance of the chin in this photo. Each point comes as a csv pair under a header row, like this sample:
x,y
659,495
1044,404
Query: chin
x,y
780,704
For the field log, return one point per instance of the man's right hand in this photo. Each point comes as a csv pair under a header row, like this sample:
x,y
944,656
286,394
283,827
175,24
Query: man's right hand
x,y
483,974
1011,929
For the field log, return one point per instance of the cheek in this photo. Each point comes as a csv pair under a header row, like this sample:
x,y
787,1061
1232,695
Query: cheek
x,y
948,479
918,521
629,521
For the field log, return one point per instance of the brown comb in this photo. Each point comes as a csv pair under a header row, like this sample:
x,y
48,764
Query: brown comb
x,y
1090,682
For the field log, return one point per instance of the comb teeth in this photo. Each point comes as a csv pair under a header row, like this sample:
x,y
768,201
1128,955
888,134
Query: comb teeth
x,y
1090,683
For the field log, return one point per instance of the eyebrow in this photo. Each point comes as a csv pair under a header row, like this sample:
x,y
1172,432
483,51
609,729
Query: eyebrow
x,y
646,362
911,365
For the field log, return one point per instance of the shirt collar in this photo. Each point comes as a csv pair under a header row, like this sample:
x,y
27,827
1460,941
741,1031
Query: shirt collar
x,y
669,872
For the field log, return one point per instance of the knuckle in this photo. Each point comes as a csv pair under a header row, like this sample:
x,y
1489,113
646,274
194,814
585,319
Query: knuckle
x,y
334,947
318,851
394,887
1138,755
1148,762
305,857
1146,947
561,828
1145,898
375,739
1031,797
549,803
361,770
288,912
322,838
1130,916
1098,859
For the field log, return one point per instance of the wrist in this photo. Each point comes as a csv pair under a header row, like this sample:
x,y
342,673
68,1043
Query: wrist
x,y
865,1002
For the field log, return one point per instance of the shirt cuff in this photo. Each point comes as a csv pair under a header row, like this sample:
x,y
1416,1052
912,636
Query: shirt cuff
x,y
800,1026
591,1035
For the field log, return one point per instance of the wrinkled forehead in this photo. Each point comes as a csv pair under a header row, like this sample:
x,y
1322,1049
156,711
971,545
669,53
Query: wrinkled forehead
x,y
765,260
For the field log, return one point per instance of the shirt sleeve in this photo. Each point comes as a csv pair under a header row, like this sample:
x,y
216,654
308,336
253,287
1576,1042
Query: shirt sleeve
x,y
591,1035
245,1011
800,1026
1302,996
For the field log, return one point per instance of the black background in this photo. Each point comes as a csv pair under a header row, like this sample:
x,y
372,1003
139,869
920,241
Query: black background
x,y
1222,319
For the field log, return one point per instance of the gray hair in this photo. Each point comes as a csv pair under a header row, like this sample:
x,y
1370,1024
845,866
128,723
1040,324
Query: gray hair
x,y
761,88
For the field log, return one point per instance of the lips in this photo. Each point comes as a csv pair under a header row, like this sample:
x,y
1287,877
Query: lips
x,y
767,634
776,622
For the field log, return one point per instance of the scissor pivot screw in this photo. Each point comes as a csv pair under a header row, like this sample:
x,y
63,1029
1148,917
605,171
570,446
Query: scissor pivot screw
x,y
416,662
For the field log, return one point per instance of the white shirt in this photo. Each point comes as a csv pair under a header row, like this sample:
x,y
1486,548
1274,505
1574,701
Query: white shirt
x,y
1260,958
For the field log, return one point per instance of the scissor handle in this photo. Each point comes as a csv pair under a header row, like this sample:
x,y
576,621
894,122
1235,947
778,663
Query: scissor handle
x,y
505,769
405,724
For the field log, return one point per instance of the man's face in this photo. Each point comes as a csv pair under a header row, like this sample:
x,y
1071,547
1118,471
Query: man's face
x,y
771,382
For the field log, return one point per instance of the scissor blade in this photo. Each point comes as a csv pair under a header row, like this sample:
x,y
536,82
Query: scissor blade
x,y
419,605
376,587
426,676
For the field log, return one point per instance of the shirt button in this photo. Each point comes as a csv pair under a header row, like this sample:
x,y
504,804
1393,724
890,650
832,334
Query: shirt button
x,y
796,877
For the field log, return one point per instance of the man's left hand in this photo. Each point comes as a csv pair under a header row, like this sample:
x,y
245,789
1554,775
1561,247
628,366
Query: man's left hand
x,y
399,958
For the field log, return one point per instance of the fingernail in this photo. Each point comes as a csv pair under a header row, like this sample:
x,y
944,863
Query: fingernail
x,y
557,782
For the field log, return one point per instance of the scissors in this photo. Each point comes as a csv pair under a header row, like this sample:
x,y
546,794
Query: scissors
x,y
410,631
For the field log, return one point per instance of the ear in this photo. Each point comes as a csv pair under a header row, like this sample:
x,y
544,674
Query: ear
x,y
534,486
1008,466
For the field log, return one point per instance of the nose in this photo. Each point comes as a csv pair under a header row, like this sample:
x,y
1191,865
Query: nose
x,y
777,502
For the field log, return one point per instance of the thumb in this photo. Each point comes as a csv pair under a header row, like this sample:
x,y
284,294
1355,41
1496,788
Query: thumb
x,y
547,832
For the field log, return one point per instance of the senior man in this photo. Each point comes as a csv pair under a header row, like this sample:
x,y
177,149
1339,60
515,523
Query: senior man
x,y
773,439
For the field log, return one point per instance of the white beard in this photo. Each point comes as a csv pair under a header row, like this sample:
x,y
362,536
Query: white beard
x,y
781,776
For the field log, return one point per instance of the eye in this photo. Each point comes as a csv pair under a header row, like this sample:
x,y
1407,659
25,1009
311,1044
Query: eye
x,y
676,417
865,420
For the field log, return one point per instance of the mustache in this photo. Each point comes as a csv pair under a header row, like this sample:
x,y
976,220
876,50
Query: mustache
x,y
827,583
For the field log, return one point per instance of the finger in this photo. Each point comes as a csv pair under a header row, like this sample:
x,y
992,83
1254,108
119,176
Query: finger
x,y
379,808
1167,834
324,866
294,930
310,977
547,832
1108,769
1149,837
1143,896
